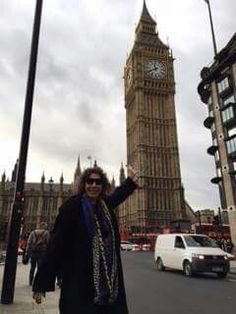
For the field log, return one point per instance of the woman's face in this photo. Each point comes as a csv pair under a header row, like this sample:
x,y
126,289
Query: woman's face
x,y
93,186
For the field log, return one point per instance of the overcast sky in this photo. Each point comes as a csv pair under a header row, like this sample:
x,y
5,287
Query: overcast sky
x,y
79,96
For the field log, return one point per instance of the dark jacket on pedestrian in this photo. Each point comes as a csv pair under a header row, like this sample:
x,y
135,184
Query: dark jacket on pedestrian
x,y
37,242
70,254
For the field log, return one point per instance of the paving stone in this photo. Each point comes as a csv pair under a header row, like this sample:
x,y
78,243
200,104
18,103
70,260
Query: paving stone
x,y
23,302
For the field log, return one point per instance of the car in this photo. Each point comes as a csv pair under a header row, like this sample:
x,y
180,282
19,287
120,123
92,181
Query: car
x,y
136,247
146,247
126,246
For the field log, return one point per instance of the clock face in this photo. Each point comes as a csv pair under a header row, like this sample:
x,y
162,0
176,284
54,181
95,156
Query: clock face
x,y
129,76
155,69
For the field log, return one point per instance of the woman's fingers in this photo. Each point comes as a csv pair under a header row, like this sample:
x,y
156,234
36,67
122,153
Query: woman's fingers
x,y
132,172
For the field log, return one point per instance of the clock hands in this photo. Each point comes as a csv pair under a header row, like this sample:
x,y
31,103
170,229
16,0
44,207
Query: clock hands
x,y
154,69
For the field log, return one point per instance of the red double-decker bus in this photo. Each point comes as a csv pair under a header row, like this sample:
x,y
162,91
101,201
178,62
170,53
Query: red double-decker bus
x,y
213,231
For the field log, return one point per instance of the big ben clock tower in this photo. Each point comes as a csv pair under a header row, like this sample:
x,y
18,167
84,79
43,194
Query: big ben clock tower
x,y
152,145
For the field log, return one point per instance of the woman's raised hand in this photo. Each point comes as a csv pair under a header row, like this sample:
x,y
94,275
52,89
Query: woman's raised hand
x,y
132,173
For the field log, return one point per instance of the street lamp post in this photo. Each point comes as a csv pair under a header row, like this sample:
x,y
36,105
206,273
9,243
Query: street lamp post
x,y
212,27
9,275
90,159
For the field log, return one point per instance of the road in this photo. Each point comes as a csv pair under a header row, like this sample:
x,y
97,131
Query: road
x,y
152,292
148,291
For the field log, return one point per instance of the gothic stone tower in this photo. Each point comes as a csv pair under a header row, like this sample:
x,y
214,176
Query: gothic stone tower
x,y
152,144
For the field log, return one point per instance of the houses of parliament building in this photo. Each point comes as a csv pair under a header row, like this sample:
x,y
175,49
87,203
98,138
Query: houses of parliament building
x,y
152,146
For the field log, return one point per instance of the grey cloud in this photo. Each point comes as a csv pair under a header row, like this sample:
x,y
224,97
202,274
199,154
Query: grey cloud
x,y
79,101
88,114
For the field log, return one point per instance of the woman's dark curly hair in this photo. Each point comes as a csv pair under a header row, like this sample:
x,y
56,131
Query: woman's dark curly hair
x,y
86,174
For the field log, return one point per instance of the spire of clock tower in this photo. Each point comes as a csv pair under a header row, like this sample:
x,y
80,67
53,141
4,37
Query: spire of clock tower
x,y
146,23
145,16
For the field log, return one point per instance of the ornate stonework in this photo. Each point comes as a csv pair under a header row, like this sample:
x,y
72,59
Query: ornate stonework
x,y
42,201
152,145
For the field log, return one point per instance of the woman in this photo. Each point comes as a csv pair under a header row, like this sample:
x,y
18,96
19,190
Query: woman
x,y
85,249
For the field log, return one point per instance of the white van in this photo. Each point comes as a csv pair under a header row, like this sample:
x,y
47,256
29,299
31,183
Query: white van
x,y
191,253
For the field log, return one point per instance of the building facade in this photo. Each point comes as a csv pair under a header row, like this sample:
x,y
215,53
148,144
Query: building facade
x,y
152,145
217,90
205,216
41,203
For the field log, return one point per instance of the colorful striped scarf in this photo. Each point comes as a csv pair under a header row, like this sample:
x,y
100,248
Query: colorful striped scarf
x,y
101,232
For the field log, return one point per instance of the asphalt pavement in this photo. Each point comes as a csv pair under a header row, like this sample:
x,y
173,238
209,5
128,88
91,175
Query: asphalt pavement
x,y
169,292
136,265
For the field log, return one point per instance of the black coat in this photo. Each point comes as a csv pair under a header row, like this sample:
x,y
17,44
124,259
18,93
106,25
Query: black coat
x,y
69,253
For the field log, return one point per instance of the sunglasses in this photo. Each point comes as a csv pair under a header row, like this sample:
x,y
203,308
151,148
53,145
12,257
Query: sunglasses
x,y
91,181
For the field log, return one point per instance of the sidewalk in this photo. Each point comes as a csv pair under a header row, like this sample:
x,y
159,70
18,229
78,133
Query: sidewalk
x,y
23,302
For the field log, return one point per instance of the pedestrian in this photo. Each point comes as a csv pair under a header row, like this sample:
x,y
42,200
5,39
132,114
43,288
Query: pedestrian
x,y
85,249
222,244
229,246
23,244
36,248
218,242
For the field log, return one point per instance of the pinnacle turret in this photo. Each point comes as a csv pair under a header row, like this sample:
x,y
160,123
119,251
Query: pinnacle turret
x,y
146,32
61,178
4,176
43,178
14,172
61,182
122,173
78,168
77,173
113,182
77,176
145,16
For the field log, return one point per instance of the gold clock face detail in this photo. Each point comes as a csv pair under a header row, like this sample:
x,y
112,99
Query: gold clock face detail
x,y
129,76
155,69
